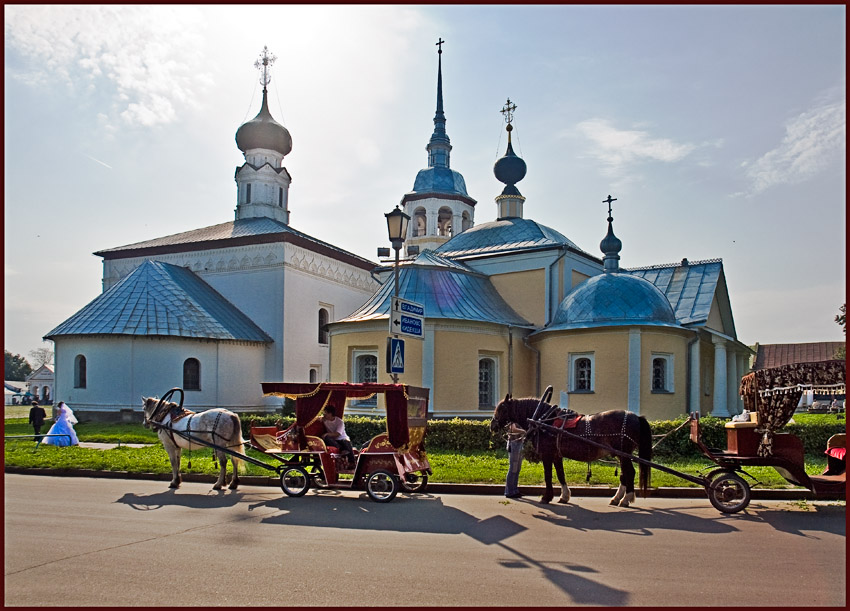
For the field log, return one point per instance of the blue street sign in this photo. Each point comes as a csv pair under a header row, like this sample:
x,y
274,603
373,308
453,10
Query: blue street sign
x,y
395,355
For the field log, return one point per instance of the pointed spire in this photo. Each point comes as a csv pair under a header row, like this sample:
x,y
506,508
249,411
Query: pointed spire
x,y
611,244
439,146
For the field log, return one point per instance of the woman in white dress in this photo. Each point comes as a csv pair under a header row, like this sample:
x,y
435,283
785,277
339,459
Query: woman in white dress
x,y
64,425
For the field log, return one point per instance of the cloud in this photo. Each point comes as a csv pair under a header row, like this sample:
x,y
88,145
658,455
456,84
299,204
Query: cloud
x,y
812,141
150,56
617,148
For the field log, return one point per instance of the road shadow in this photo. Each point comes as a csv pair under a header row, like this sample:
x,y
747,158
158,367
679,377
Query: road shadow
x,y
803,519
407,513
634,520
158,500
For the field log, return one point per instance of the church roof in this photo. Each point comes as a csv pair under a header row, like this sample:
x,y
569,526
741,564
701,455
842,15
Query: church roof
x,y
447,289
160,299
689,286
506,236
234,233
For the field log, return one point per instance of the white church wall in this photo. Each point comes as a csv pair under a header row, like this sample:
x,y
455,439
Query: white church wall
x,y
314,282
122,369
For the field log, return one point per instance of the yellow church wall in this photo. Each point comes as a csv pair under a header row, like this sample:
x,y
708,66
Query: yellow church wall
x,y
658,405
578,278
706,370
456,354
610,348
523,291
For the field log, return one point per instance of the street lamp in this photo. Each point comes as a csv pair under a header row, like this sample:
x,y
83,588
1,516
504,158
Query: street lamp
x,y
397,230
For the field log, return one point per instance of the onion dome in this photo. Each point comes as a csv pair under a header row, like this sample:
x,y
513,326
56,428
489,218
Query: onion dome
x,y
509,169
613,299
263,132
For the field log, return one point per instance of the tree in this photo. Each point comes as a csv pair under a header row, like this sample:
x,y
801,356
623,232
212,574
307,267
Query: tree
x,y
841,319
41,356
16,367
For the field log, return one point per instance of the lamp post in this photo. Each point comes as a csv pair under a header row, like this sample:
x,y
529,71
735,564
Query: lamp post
x,y
397,230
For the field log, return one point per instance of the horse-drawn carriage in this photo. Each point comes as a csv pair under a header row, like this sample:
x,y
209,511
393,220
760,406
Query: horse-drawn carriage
x,y
771,396
389,461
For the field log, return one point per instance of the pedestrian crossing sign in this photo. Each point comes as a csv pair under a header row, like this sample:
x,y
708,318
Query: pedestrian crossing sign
x,y
395,355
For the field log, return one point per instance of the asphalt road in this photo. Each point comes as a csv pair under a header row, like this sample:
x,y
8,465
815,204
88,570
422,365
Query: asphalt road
x,y
81,541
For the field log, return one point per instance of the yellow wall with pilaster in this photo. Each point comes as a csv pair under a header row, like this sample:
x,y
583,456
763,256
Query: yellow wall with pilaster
x,y
524,292
661,341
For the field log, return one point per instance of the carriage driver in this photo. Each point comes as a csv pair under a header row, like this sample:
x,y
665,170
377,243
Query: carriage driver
x,y
335,435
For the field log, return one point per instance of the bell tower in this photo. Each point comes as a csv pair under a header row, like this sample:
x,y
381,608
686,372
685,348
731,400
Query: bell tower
x,y
262,183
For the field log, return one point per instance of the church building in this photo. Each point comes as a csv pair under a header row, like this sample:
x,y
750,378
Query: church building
x,y
512,306
217,310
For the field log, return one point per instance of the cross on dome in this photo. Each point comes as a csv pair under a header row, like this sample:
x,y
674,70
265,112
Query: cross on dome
x,y
508,110
440,44
608,201
263,64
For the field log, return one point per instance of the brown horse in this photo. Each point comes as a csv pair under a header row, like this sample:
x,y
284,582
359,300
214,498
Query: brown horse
x,y
618,429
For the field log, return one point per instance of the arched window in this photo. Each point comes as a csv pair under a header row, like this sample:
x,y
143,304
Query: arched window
x,y
581,372
323,326
248,193
444,222
280,197
366,370
420,222
465,221
662,373
486,383
314,375
80,371
191,374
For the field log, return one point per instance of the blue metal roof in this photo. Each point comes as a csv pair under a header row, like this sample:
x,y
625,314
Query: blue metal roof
x,y
440,180
610,299
160,299
447,289
504,236
688,286
261,228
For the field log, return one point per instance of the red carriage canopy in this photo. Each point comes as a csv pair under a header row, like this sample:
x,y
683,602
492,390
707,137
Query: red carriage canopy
x,y
402,401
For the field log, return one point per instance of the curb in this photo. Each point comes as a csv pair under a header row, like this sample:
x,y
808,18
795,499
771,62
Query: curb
x,y
767,494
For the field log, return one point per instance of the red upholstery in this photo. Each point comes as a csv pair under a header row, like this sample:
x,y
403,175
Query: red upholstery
x,y
838,453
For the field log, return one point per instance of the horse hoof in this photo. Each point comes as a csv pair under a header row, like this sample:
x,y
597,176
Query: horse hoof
x,y
623,503
233,486
544,501
217,487
174,485
564,501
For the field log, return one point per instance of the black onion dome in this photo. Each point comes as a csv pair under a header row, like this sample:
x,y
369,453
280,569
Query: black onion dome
x,y
509,169
263,132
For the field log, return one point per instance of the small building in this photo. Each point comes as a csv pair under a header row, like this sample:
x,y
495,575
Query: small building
x,y
40,384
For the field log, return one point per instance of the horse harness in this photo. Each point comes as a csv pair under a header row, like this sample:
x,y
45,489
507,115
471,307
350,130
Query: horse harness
x,y
179,413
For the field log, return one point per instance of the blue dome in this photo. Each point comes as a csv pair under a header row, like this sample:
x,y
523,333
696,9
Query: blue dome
x,y
263,132
613,299
440,180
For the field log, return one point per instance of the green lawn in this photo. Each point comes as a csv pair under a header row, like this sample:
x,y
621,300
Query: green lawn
x,y
456,467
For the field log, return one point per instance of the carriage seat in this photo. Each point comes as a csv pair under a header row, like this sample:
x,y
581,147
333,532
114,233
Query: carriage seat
x,y
836,455
745,424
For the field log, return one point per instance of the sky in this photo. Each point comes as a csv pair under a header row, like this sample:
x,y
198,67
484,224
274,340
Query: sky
x,y
721,131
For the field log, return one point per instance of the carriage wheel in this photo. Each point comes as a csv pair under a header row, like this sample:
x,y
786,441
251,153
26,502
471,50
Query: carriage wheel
x,y
382,486
317,474
413,482
729,493
294,481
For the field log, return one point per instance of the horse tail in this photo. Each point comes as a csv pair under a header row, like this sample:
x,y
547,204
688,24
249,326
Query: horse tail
x,y
645,452
237,443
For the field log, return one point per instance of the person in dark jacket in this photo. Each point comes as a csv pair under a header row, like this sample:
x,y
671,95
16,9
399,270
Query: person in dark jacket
x,y
37,417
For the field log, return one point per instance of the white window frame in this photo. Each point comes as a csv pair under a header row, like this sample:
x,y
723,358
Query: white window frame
x,y
494,391
572,378
668,372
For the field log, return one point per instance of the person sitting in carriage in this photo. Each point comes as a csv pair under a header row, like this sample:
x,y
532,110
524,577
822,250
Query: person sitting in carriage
x,y
335,434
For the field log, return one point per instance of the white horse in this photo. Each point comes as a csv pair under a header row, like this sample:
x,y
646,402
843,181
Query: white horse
x,y
218,426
